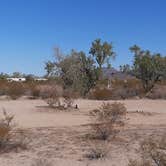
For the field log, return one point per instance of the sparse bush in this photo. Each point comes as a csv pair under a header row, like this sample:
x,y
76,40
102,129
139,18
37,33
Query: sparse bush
x,y
56,97
51,94
124,89
101,94
5,128
109,113
107,119
68,98
3,87
35,92
8,139
119,89
15,90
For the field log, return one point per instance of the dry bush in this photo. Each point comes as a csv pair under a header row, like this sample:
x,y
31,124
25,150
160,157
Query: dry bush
x,y
56,97
100,94
3,87
42,162
8,140
120,89
5,128
68,98
15,90
107,119
129,88
153,152
109,112
35,92
97,151
51,94
158,92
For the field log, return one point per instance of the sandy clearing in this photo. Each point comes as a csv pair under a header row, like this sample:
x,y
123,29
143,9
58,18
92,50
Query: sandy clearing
x,y
57,136
33,113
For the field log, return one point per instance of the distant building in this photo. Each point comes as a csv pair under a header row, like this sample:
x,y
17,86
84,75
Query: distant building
x,y
16,79
40,79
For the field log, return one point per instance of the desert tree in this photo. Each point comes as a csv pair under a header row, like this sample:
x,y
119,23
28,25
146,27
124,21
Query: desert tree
x,y
76,71
148,67
102,52
125,68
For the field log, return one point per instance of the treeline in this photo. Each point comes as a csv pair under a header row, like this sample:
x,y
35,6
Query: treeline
x,y
81,73
84,75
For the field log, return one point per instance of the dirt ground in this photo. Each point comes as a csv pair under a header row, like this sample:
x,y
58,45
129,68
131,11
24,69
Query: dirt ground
x,y
58,136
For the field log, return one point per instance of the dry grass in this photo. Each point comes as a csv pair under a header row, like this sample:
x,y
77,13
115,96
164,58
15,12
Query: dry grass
x,y
15,90
99,150
153,152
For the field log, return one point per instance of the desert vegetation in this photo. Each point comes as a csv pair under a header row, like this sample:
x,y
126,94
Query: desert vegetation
x,y
101,129
107,119
9,139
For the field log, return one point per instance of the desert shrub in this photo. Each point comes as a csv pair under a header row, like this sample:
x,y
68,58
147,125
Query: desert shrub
x,y
119,89
123,89
107,119
5,128
97,151
153,152
9,140
15,90
56,97
68,98
158,92
51,94
35,92
3,87
100,94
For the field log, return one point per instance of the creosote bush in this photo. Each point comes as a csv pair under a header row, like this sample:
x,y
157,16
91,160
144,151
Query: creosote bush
x,y
107,119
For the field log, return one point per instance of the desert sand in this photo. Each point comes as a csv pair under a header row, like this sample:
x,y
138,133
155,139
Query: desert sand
x,y
58,136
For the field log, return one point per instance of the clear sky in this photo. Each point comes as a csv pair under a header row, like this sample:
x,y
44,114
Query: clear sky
x,y
29,29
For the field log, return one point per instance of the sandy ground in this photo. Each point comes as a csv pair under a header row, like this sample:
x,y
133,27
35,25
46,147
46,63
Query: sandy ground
x,y
58,136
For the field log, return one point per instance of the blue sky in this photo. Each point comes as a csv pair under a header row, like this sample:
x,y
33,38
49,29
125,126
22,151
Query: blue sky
x,y
29,29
